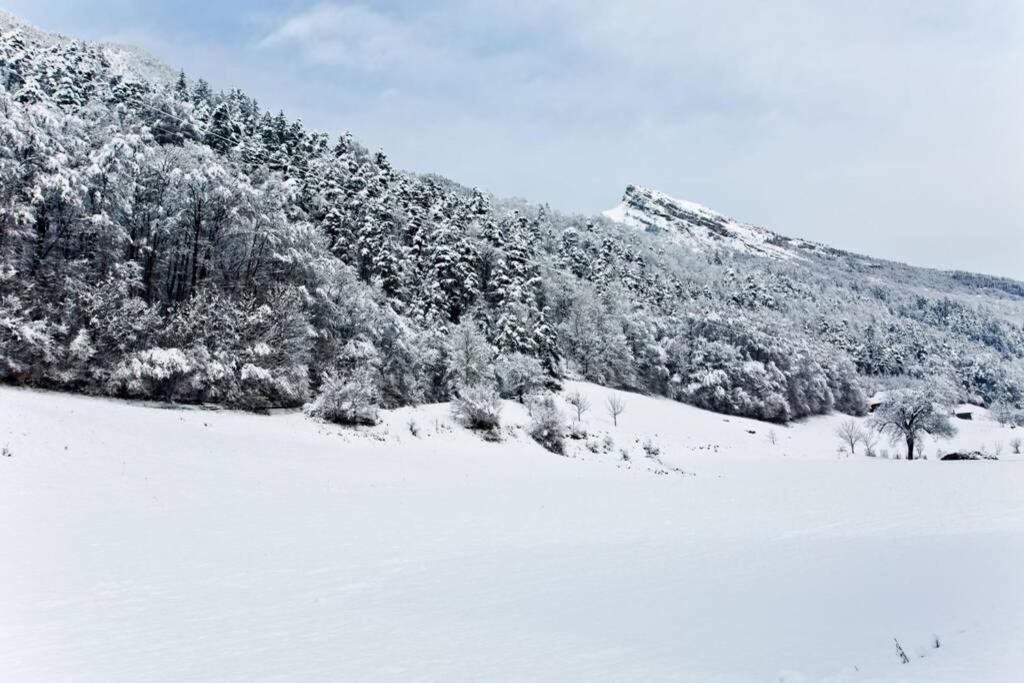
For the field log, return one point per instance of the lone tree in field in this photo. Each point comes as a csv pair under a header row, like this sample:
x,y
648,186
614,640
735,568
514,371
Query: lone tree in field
x,y
850,433
580,402
616,406
907,414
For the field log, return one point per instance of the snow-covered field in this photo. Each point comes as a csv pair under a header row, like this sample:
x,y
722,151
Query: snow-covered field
x,y
149,543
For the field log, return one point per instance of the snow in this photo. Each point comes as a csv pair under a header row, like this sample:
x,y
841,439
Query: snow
x,y
685,223
144,542
687,433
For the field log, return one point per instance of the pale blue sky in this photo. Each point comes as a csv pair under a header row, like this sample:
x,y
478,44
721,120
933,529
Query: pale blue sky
x,y
890,128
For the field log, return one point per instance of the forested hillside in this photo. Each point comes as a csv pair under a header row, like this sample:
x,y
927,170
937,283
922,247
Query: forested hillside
x,y
159,239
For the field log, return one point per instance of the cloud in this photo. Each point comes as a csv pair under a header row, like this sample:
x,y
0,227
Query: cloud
x,y
353,36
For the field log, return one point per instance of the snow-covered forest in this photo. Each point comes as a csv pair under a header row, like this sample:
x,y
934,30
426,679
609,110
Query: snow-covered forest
x,y
160,239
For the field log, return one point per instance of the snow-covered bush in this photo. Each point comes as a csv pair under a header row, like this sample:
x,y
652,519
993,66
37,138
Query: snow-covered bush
x,y
25,344
518,375
260,388
167,374
347,401
576,431
547,426
478,406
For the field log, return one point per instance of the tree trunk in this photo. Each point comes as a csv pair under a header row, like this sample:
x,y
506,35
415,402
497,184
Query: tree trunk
x,y
910,447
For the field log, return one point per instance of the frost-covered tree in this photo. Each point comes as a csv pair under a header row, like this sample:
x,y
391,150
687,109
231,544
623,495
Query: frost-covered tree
x,y
469,356
907,414
518,375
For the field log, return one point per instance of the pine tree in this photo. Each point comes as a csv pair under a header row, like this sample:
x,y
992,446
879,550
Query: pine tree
x,y
544,342
181,89
224,131
201,94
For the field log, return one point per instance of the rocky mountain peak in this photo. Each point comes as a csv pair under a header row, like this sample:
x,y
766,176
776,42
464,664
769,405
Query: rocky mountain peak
x,y
695,226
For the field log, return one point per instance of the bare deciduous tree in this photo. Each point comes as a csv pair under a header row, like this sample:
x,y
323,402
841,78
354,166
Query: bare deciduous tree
x,y
850,433
870,440
1001,413
616,406
580,402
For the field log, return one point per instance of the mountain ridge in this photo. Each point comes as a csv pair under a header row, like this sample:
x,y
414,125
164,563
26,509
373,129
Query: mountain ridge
x,y
695,226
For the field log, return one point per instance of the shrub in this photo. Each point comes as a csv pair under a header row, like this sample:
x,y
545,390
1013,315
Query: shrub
x,y
547,427
518,375
478,406
1015,445
347,401
167,374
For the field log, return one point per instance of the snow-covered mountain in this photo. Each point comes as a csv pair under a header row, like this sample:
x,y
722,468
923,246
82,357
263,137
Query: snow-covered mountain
x,y
712,511
161,239
699,228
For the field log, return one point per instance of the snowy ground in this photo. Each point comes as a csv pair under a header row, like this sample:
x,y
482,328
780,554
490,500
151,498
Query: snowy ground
x,y
146,543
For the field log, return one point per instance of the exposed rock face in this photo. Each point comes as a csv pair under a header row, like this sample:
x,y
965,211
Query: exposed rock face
x,y
698,227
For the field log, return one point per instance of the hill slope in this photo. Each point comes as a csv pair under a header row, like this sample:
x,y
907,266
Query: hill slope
x,y
162,240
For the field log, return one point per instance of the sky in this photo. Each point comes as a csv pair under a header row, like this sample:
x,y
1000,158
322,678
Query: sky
x,y
891,128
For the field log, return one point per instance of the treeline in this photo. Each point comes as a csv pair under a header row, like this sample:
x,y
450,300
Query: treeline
x,y
161,240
